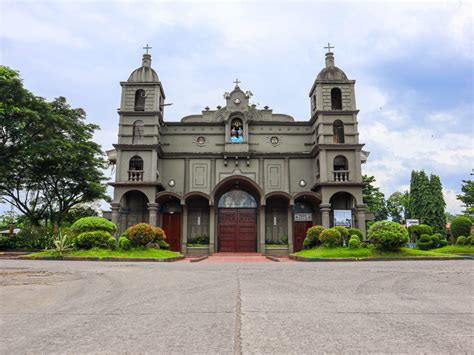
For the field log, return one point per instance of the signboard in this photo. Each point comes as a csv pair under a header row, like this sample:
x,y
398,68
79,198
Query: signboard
x,y
303,217
412,222
343,218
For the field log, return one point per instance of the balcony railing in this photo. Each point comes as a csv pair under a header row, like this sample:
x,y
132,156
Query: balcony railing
x,y
135,175
341,175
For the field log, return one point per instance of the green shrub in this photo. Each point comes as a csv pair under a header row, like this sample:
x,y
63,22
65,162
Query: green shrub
x,y
163,244
37,237
419,229
387,235
461,226
354,242
159,234
344,233
312,237
470,240
357,232
200,239
112,243
141,234
124,243
94,239
442,243
330,238
13,242
90,224
461,240
425,242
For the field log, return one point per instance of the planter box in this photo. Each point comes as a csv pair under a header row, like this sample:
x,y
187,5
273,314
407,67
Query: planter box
x,y
197,251
283,251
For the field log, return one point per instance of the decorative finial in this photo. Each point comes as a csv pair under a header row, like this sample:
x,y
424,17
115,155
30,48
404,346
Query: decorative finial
x,y
328,47
236,82
147,48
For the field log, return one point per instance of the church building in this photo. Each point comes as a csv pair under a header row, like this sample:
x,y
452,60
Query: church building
x,y
241,175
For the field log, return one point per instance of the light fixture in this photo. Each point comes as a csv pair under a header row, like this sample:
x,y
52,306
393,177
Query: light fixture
x,y
171,183
302,183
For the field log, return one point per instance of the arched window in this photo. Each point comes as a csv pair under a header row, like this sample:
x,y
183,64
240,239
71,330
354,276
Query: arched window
x,y
140,96
135,169
336,99
137,132
340,163
236,130
341,168
136,163
338,132
237,199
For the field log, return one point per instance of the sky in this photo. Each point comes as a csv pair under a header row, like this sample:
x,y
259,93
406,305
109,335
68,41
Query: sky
x,y
412,62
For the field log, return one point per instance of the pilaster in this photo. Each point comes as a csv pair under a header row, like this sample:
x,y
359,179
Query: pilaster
x,y
325,210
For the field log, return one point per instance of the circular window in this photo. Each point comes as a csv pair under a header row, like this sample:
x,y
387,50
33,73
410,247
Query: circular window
x,y
274,140
200,140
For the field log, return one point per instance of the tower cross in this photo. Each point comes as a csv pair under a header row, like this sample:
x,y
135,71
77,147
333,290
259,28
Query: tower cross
x,y
147,48
328,47
236,82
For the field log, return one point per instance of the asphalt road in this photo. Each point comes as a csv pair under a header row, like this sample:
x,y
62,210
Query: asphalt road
x,y
80,307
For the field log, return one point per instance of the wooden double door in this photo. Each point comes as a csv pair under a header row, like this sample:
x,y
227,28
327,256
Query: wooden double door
x,y
299,234
172,229
237,229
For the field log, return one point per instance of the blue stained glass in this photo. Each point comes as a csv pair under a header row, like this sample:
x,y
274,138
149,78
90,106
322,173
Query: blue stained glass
x,y
237,199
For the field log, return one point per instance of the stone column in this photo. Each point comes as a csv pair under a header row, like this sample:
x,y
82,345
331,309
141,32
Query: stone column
x,y
184,223
261,247
115,207
325,209
154,165
212,229
152,213
290,228
361,219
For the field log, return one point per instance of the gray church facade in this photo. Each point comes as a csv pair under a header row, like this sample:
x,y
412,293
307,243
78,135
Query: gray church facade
x,y
241,175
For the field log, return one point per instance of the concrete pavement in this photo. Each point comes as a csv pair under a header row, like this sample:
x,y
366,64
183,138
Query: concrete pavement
x,y
217,308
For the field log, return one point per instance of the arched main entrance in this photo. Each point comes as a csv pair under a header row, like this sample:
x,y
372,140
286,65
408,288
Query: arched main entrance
x,y
237,228
170,211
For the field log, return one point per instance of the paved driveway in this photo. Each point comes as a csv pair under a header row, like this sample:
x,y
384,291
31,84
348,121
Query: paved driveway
x,y
79,307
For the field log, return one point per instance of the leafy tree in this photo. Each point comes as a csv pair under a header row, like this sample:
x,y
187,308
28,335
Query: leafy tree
x,y
398,206
435,215
467,196
419,195
449,216
374,199
49,161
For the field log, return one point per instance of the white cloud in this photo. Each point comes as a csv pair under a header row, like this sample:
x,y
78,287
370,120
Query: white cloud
x,y
453,205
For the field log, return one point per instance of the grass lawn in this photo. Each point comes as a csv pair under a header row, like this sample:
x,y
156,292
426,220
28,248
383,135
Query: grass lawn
x,y
456,249
323,252
276,246
106,253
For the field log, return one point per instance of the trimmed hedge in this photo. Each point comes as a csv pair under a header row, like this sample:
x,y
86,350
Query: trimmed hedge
x,y
312,237
90,224
331,238
461,240
124,243
143,233
357,232
425,242
94,239
354,242
112,243
419,229
461,226
388,235
344,233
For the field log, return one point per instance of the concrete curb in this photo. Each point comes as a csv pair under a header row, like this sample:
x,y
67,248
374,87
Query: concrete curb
x,y
94,258
196,260
420,258
272,258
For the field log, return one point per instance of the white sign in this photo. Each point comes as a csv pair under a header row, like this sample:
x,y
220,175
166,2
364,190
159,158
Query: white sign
x,y
343,218
303,217
412,222
199,220
274,221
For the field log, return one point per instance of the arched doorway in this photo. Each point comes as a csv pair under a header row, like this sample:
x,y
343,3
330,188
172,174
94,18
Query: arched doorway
x,y
170,210
342,209
133,209
305,215
237,228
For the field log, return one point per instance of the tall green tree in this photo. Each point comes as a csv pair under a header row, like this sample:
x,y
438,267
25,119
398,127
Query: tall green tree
x,y
374,198
419,195
435,216
49,161
467,196
398,206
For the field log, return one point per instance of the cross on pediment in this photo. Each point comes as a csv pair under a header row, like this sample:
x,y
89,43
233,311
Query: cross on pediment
x,y
147,48
328,47
237,82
